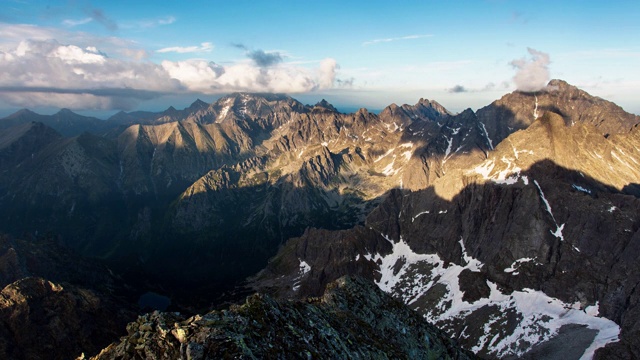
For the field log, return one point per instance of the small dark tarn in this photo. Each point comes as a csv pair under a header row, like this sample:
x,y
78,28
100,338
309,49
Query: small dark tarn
x,y
153,301
570,343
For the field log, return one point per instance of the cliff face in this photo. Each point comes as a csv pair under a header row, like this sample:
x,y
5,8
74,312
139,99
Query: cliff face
x,y
353,319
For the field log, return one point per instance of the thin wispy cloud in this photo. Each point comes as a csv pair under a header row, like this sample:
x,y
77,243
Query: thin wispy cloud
x,y
150,23
386,40
204,47
72,23
239,46
459,89
167,21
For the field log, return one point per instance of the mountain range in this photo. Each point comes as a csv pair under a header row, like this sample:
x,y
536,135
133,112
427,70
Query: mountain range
x,y
513,228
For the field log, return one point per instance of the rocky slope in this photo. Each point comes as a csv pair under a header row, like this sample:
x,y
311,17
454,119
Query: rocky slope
x,y
535,243
353,319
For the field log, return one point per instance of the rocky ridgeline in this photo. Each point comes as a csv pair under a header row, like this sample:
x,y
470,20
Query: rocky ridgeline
x,y
353,319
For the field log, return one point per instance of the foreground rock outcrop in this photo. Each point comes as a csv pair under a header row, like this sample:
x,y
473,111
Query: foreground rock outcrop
x,y
54,304
353,319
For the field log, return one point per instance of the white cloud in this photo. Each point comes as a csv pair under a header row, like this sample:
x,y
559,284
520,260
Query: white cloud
x,y
327,73
532,74
72,23
167,20
204,47
408,37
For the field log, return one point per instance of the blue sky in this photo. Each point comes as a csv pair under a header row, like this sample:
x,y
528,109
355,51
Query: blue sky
x,y
104,56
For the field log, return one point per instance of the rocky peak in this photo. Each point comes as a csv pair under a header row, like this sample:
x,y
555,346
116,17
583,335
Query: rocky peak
x,y
432,104
22,113
252,106
66,112
559,85
517,110
198,105
323,105
422,110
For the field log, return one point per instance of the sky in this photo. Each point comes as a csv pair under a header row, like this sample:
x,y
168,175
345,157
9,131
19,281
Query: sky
x,y
100,57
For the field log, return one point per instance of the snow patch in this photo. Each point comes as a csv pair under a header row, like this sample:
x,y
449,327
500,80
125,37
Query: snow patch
x,y
419,214
540,316
383,156
485,169
544,199
516,264
559,228
507,176
558,233
224,112
389,170
447,152
303,269
486,135
580,188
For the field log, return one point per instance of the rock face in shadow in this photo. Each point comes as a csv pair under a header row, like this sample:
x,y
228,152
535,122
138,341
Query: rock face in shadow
x,y
54,304
40,319
353,319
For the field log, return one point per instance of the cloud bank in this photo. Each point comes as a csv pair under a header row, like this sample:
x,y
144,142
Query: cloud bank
x,y
48,73
532,74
